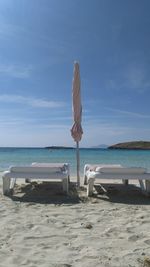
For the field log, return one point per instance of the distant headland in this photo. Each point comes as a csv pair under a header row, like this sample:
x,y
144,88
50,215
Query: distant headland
x,y
143,145
59,147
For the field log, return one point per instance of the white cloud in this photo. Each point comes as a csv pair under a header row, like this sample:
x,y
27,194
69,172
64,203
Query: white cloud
x,y
134,76
95,134
137,77
39,103
9,31
15,71
31,132
33,102
129,113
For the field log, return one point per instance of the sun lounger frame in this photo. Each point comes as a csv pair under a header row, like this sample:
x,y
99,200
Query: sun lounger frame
x,y
36,172
91,176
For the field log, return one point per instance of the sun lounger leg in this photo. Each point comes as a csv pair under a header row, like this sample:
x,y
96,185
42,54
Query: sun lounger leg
x,y
28,180
147,185
142,185
12,183
85,180
125,182
6,185
65,185
90,187
67,167
86,168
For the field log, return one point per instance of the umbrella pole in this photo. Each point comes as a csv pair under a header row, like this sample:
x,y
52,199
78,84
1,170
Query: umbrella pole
x,y
78,163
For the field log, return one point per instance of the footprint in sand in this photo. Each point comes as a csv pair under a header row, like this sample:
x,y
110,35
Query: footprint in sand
x,y
134,237
147,241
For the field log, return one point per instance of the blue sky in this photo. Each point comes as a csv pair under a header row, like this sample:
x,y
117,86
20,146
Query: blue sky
x,y
40,40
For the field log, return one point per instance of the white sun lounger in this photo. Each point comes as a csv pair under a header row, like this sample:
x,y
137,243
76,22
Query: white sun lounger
x,y
93,172
42,171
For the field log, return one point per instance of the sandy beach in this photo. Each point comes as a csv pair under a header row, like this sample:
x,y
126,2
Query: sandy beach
x,y
42,227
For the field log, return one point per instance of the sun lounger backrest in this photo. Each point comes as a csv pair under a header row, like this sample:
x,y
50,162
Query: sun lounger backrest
x,y
95,167
32,169
121,170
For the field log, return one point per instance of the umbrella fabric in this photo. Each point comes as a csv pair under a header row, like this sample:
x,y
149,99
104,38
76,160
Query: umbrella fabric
x,y
76,130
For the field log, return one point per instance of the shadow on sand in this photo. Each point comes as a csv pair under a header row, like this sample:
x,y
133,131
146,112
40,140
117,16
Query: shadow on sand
x,y
119,193
45,193
51,193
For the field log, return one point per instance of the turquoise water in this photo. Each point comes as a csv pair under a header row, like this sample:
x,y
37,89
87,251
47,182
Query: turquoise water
x,y
25,156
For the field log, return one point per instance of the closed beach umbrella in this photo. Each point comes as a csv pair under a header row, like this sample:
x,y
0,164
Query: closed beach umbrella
x,y
76,130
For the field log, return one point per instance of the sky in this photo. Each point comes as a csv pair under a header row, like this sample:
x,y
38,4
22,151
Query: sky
x,y
39,42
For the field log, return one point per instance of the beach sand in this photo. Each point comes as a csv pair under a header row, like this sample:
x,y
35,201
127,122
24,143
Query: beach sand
x,y
42,227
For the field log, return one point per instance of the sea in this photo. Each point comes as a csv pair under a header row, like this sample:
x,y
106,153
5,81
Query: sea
x,y
25,156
